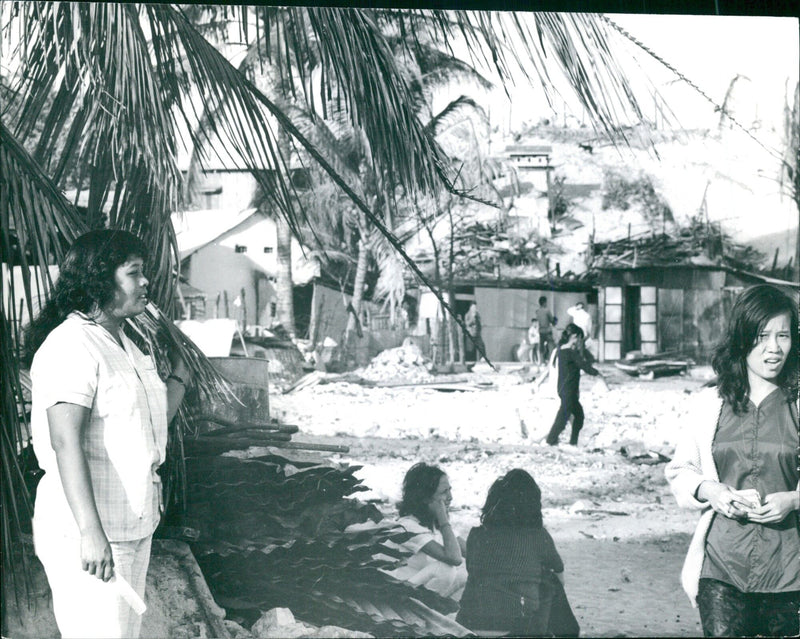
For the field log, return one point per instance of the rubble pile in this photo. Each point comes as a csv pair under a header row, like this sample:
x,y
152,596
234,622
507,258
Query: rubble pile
x,y
700,242
404,363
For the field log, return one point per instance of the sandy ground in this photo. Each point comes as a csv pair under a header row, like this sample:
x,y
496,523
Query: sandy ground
x,y
617,527
615,524
179,604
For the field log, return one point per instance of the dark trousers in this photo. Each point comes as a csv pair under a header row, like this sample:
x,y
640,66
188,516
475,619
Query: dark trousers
x,y
546,345
726,611
570,405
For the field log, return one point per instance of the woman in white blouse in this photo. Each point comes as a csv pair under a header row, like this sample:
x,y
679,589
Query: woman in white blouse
x,y
99,428
437,553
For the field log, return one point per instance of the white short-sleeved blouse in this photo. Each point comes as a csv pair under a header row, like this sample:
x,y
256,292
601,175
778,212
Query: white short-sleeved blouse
x,y
125,439
420,569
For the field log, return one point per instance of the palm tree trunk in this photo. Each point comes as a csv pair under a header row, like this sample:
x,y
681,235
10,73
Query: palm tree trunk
x,y
283,260
283,275
358,287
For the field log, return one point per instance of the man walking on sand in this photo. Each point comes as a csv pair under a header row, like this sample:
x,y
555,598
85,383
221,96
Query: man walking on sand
x,y
546,322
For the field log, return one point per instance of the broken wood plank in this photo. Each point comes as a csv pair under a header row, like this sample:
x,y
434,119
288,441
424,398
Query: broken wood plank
x,y
231,426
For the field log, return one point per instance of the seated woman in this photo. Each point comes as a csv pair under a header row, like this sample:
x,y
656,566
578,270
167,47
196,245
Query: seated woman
x,y
515,582
437,559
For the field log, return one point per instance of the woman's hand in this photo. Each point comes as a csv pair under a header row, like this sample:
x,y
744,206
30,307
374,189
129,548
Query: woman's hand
x,y
724,500
96,557
775,507
439,510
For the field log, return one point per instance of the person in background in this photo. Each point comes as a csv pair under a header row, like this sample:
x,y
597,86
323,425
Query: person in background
x,y
99,428
738,462
515,574
546,322
534,343
581,317
436,561
473,347
570,363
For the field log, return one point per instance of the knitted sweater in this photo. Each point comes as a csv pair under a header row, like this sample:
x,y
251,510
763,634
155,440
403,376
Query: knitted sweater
x,y
506,567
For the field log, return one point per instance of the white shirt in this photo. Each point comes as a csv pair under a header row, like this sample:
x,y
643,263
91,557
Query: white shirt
x,y
125,439
582,320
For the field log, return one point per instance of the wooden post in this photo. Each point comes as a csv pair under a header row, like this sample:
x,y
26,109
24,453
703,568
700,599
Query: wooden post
x,y
313,322
244,310
461,340
551,218
435,341
451,356
225,300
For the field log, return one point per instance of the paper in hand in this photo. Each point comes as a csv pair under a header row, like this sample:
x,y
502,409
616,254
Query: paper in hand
x,y
750,496
127,592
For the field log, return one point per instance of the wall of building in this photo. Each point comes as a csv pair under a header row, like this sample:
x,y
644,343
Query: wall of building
x,y
220,271
680,310
505,315
244,258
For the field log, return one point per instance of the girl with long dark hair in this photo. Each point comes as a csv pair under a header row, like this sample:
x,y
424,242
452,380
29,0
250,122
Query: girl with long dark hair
x,y
515,574
436,560
739,463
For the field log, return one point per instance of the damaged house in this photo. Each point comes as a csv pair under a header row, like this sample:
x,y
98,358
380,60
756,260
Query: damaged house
x,y
671,293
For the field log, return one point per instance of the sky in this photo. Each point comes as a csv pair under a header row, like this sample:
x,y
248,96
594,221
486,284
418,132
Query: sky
x,y
709,50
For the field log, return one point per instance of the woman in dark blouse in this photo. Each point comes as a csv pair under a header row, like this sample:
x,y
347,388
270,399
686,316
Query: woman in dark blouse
x,y
515,574
743,470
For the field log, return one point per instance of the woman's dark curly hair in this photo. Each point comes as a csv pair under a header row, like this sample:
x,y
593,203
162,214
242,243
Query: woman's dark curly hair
x,y
514,501
570,330
752,310
419,485
85,282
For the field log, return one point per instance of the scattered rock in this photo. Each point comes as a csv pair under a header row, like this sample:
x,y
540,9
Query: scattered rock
x,y
280,623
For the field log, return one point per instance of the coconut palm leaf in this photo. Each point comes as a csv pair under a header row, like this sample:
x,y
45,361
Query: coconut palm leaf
x,y
451,111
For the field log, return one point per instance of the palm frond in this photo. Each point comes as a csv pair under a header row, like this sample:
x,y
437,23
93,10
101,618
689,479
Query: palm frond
x,y
390,286
36,225
453,110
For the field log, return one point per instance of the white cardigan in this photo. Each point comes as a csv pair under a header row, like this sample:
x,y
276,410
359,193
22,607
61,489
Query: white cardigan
x,y
692,464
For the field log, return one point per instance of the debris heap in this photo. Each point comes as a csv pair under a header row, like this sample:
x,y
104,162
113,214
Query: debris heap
x,y
700,242
404,363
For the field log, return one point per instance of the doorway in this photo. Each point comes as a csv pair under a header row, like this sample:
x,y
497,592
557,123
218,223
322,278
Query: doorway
x,y
631,309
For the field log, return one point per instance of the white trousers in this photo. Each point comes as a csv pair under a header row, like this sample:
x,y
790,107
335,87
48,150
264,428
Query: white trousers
x,y
85,606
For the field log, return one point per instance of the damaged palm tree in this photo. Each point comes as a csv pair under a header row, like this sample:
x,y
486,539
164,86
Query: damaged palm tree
x,y
96,97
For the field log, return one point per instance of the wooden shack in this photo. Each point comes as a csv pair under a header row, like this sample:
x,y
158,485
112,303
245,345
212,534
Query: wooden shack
x,y
679,308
